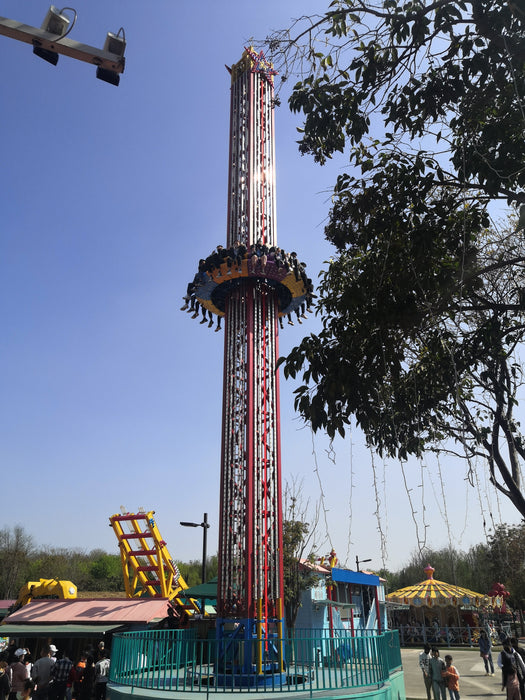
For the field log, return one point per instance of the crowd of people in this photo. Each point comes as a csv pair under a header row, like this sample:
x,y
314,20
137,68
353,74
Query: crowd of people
x,y
440,674
54,676
261,260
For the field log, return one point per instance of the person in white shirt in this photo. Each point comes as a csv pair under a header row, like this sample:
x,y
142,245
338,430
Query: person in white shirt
x,y
101,675
424,661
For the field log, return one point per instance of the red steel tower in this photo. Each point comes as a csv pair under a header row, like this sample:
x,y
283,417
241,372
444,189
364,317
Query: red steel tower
x,y
252,283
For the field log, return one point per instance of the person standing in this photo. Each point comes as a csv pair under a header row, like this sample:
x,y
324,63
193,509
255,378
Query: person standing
x,y
502,634
424,665
87,686
99,651
512,668
28,662
10,652
59,676
451,677
437,666
101,675
41,672
18,673
521,651
5,685
76,676
485,651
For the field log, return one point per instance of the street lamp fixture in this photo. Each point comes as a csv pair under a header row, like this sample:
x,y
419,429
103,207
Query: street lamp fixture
x,y
205,527
51,39
55,22
116,45
360,561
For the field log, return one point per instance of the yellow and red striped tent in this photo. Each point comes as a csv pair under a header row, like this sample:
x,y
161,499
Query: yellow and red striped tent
x,y
431,593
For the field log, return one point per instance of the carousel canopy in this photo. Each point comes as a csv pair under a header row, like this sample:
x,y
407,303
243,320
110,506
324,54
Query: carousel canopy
x,y
432,592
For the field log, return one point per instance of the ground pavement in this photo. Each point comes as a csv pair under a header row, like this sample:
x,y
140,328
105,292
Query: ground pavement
x,y
473,682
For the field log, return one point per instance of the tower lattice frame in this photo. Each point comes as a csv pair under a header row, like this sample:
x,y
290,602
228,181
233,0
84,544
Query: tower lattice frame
x,y
252,297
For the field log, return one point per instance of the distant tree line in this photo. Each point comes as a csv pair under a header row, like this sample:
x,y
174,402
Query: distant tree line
x,y
500,558
97,571
192,570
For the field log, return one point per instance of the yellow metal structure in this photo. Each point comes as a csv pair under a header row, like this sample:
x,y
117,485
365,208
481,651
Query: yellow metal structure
x,y
45,588
148,568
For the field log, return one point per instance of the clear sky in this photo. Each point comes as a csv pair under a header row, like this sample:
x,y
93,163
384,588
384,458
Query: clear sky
x,y
109,395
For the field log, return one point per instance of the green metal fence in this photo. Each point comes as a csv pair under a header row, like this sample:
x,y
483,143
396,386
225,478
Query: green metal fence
x,y
313,661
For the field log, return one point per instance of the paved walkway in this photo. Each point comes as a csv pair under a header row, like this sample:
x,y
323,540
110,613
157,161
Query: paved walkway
x,y
473,682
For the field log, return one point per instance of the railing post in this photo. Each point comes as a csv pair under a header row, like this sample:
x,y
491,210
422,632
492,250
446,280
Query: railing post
x,y
259,637
280,633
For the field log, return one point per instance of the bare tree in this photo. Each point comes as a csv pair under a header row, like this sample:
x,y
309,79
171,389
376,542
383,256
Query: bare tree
x,y
299,530
16,550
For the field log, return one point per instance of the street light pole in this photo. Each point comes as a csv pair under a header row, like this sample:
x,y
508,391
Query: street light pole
x,y
205,527
360,561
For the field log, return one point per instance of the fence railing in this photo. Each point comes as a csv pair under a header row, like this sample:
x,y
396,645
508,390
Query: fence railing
x,y
313,661
449,636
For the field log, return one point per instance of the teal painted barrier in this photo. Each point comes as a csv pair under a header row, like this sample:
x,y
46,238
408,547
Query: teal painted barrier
x,y
167,660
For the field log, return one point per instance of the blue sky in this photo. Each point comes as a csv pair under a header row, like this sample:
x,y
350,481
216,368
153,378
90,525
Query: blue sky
x,y
109,394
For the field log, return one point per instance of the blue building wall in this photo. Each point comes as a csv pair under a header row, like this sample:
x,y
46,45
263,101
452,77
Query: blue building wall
x,y
349,587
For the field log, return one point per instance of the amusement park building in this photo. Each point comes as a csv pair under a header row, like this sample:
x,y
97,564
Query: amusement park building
x,y
344,600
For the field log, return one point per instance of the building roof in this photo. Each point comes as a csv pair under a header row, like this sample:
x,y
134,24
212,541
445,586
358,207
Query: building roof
x,y
202,590
313,566
110,611
347,576
432,592
58,631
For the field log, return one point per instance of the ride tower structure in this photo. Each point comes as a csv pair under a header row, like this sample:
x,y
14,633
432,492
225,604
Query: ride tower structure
x,y
252,283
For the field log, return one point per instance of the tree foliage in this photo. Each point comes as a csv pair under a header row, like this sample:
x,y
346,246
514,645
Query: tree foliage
x,y
506,559
192,570
471,569
422,304
16,550
95,571
298,551
499,559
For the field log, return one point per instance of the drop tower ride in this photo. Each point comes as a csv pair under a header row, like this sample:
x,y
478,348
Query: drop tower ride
x,y
252,283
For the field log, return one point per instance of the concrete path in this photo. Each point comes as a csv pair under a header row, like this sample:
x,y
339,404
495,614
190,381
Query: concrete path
x,y
473,682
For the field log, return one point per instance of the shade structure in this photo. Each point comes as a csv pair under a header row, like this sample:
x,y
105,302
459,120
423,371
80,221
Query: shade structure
x,y
203,590
431,593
